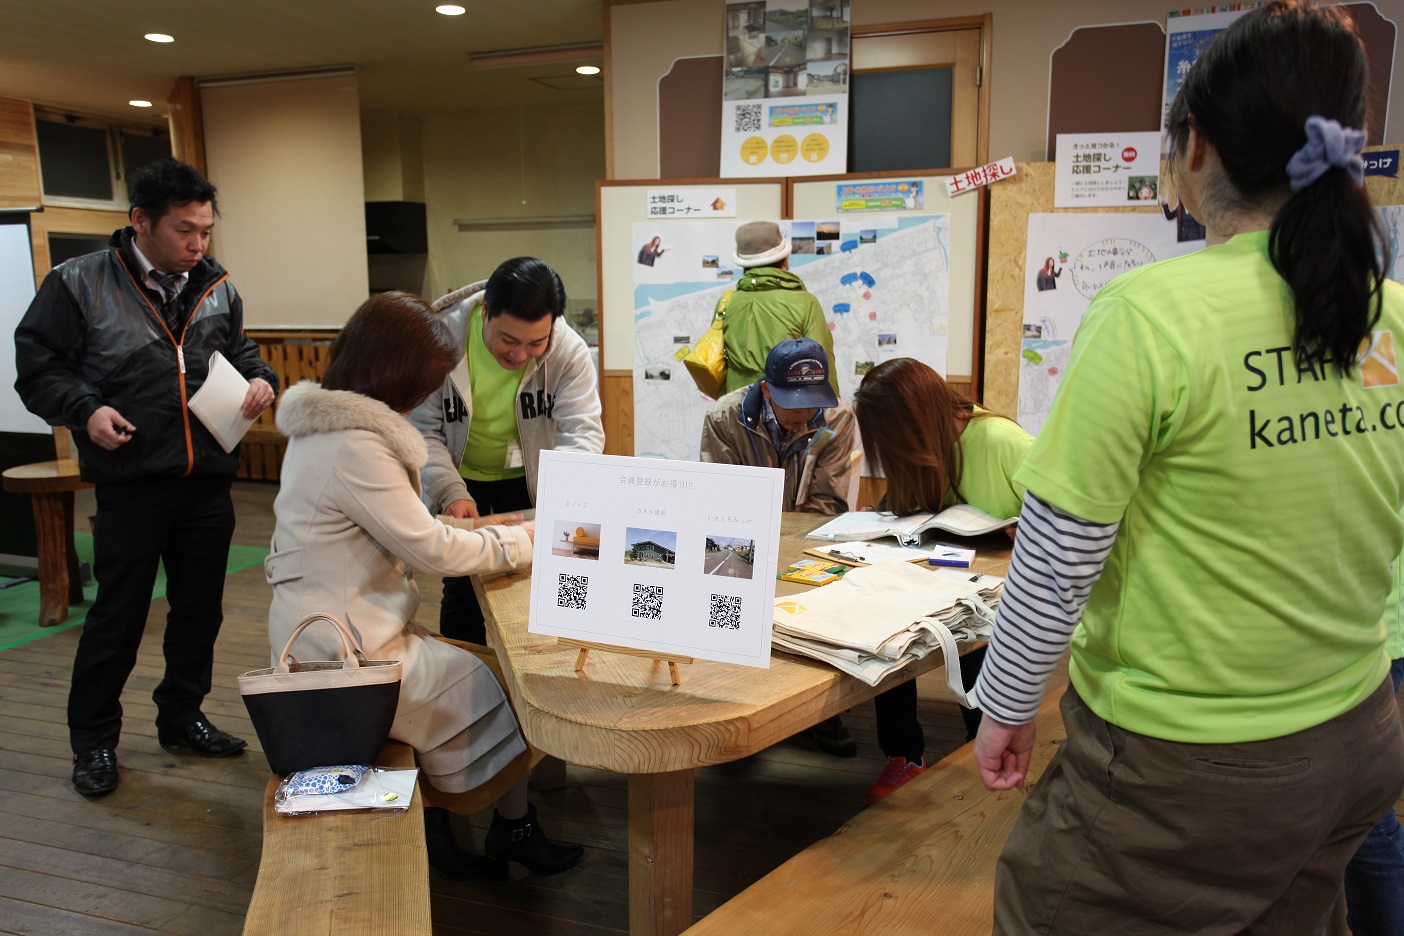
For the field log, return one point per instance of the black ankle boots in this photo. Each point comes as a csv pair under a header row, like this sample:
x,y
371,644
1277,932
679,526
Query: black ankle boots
x,y
521,840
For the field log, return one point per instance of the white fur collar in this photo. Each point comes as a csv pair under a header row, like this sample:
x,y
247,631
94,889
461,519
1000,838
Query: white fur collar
x,y
306,409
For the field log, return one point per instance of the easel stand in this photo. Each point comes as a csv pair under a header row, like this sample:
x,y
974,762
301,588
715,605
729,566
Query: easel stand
x,y
586,646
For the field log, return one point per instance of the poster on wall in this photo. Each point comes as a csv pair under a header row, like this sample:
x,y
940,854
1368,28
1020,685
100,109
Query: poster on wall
x,y
1392,222
677,557
785,88
1188,33
1069,258
1106,170
883,282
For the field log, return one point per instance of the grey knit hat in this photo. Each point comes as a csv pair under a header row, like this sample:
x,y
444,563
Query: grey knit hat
x,y
761,243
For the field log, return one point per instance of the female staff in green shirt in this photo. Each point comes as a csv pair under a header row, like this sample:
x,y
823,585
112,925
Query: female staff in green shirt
x,y
936,449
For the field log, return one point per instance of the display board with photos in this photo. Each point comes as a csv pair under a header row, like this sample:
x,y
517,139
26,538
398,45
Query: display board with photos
x,y
670,556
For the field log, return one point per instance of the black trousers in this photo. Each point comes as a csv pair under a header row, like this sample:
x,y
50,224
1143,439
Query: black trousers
x,y
460,616
898,730
186,523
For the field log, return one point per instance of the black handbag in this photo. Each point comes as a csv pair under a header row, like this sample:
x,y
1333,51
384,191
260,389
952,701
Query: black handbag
x,y
322,714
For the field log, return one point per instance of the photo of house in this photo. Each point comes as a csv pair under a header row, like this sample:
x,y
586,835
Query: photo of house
x,y
653,548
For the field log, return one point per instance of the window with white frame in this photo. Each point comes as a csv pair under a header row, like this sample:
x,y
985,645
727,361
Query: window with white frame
x,y
86,161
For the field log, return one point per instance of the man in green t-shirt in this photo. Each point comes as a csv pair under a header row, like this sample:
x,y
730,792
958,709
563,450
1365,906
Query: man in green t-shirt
x,y
526,383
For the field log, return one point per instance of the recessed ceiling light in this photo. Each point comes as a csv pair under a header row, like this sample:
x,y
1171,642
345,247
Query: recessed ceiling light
x,y
450,9
140,103
587,69
160,37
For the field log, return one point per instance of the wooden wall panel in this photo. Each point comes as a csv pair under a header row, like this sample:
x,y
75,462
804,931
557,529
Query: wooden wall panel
x,y
617,399
19,155
294,356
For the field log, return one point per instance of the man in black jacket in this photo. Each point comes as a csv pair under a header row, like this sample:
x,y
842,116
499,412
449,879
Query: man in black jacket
x,y
113,346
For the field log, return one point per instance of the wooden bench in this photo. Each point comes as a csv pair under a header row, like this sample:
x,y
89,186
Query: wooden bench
x,y
921,861
357,873
348,873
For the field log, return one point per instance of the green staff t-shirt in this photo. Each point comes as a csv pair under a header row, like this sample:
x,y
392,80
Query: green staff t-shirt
x,y
1259,502
493,431
992,448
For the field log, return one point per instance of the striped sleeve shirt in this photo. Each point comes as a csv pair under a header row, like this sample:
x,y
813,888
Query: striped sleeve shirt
x,y
1057,559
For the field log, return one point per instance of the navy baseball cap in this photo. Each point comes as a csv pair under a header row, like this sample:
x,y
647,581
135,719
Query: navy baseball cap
x,y
797,373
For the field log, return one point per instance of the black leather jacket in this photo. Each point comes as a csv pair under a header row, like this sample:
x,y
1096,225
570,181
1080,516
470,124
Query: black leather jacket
x,y
94,336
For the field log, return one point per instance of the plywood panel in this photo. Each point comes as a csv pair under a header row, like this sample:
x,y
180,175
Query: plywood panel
x,y
19,155
617,399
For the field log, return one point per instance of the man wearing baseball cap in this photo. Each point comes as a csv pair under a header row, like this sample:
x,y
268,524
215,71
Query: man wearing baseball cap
x,y
769,305
788,419
791,419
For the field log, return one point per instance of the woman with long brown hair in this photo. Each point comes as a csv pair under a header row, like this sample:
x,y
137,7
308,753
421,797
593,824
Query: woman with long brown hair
x,y
936,449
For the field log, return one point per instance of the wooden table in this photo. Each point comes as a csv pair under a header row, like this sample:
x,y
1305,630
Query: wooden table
x,y
50,486
622,714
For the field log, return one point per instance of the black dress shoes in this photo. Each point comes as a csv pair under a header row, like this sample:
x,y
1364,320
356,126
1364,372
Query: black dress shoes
x,y
202,738
95,772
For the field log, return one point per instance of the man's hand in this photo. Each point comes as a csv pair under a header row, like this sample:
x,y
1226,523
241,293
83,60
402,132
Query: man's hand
x,y
1002,753
109,429
258,399
461,509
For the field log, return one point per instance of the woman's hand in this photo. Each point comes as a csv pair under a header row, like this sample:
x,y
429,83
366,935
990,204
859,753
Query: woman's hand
x,y
502,519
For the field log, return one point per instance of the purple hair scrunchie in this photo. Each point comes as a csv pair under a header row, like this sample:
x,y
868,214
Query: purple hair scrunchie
x,y
1328,145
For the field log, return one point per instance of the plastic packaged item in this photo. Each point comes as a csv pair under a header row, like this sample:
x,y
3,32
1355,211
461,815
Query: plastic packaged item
x,y
326,789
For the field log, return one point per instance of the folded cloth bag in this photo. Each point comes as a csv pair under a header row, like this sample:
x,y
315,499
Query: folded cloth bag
x,y
321,713
881,617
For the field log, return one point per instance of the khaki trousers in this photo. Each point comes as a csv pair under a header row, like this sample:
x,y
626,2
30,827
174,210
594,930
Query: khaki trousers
x,y
1135,835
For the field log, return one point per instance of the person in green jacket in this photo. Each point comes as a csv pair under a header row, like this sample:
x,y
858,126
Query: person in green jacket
x,y
769,305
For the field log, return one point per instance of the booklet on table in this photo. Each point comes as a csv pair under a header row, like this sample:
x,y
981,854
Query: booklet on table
x,y
962,520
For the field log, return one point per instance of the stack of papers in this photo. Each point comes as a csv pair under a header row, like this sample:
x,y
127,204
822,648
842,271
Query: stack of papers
x,y
878,618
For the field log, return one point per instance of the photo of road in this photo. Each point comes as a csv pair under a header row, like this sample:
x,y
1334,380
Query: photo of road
x,y
729,556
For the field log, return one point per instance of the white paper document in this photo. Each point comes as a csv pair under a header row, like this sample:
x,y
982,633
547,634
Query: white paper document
x,y
962,520
673,556
219,403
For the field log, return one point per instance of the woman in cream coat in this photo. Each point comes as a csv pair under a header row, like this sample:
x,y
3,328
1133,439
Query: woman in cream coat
x,y
350,526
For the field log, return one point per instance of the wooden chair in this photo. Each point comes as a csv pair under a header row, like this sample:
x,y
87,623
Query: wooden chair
x,y
50,486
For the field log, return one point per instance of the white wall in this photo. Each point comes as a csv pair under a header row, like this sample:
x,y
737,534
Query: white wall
x,y
513,164
286,158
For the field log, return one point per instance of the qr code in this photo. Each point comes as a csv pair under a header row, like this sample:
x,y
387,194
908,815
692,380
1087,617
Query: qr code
x,y
571,591
648,602
726,612
748,118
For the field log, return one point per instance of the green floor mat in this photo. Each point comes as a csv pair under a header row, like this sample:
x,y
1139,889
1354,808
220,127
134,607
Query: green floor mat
x,y
19,604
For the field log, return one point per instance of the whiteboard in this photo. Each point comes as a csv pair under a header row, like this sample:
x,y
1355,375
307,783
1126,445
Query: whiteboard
x,y
817,199
16,293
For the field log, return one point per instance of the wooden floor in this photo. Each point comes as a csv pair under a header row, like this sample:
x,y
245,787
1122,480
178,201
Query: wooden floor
x,y
175,849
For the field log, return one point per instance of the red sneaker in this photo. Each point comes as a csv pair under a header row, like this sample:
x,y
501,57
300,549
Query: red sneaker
x,y
897,772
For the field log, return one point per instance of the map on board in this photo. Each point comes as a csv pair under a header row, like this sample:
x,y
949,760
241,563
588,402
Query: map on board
x,y
1392,221
884,284
1069,258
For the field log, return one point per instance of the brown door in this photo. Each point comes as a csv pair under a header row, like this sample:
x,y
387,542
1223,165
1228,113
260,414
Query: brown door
x,y
919,95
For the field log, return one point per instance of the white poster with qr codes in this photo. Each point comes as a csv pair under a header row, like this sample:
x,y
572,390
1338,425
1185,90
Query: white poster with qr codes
x,y
673,556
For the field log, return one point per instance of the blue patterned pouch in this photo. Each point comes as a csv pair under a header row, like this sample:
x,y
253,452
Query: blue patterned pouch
x,y
324,780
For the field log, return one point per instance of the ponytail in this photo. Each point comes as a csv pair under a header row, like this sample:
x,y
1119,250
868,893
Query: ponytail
x,y
1324,242
1284,72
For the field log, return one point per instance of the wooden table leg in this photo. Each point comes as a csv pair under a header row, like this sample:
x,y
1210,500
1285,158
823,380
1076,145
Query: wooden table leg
x,y
75,577
55,545
660,853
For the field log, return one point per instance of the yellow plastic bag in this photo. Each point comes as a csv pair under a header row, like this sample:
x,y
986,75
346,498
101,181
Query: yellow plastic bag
x,y
706,362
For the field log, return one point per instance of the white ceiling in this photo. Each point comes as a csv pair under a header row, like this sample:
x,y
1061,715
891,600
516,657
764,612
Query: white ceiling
x,y
90,55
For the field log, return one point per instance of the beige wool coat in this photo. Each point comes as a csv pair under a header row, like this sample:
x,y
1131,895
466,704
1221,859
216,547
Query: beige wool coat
x,y
349,526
